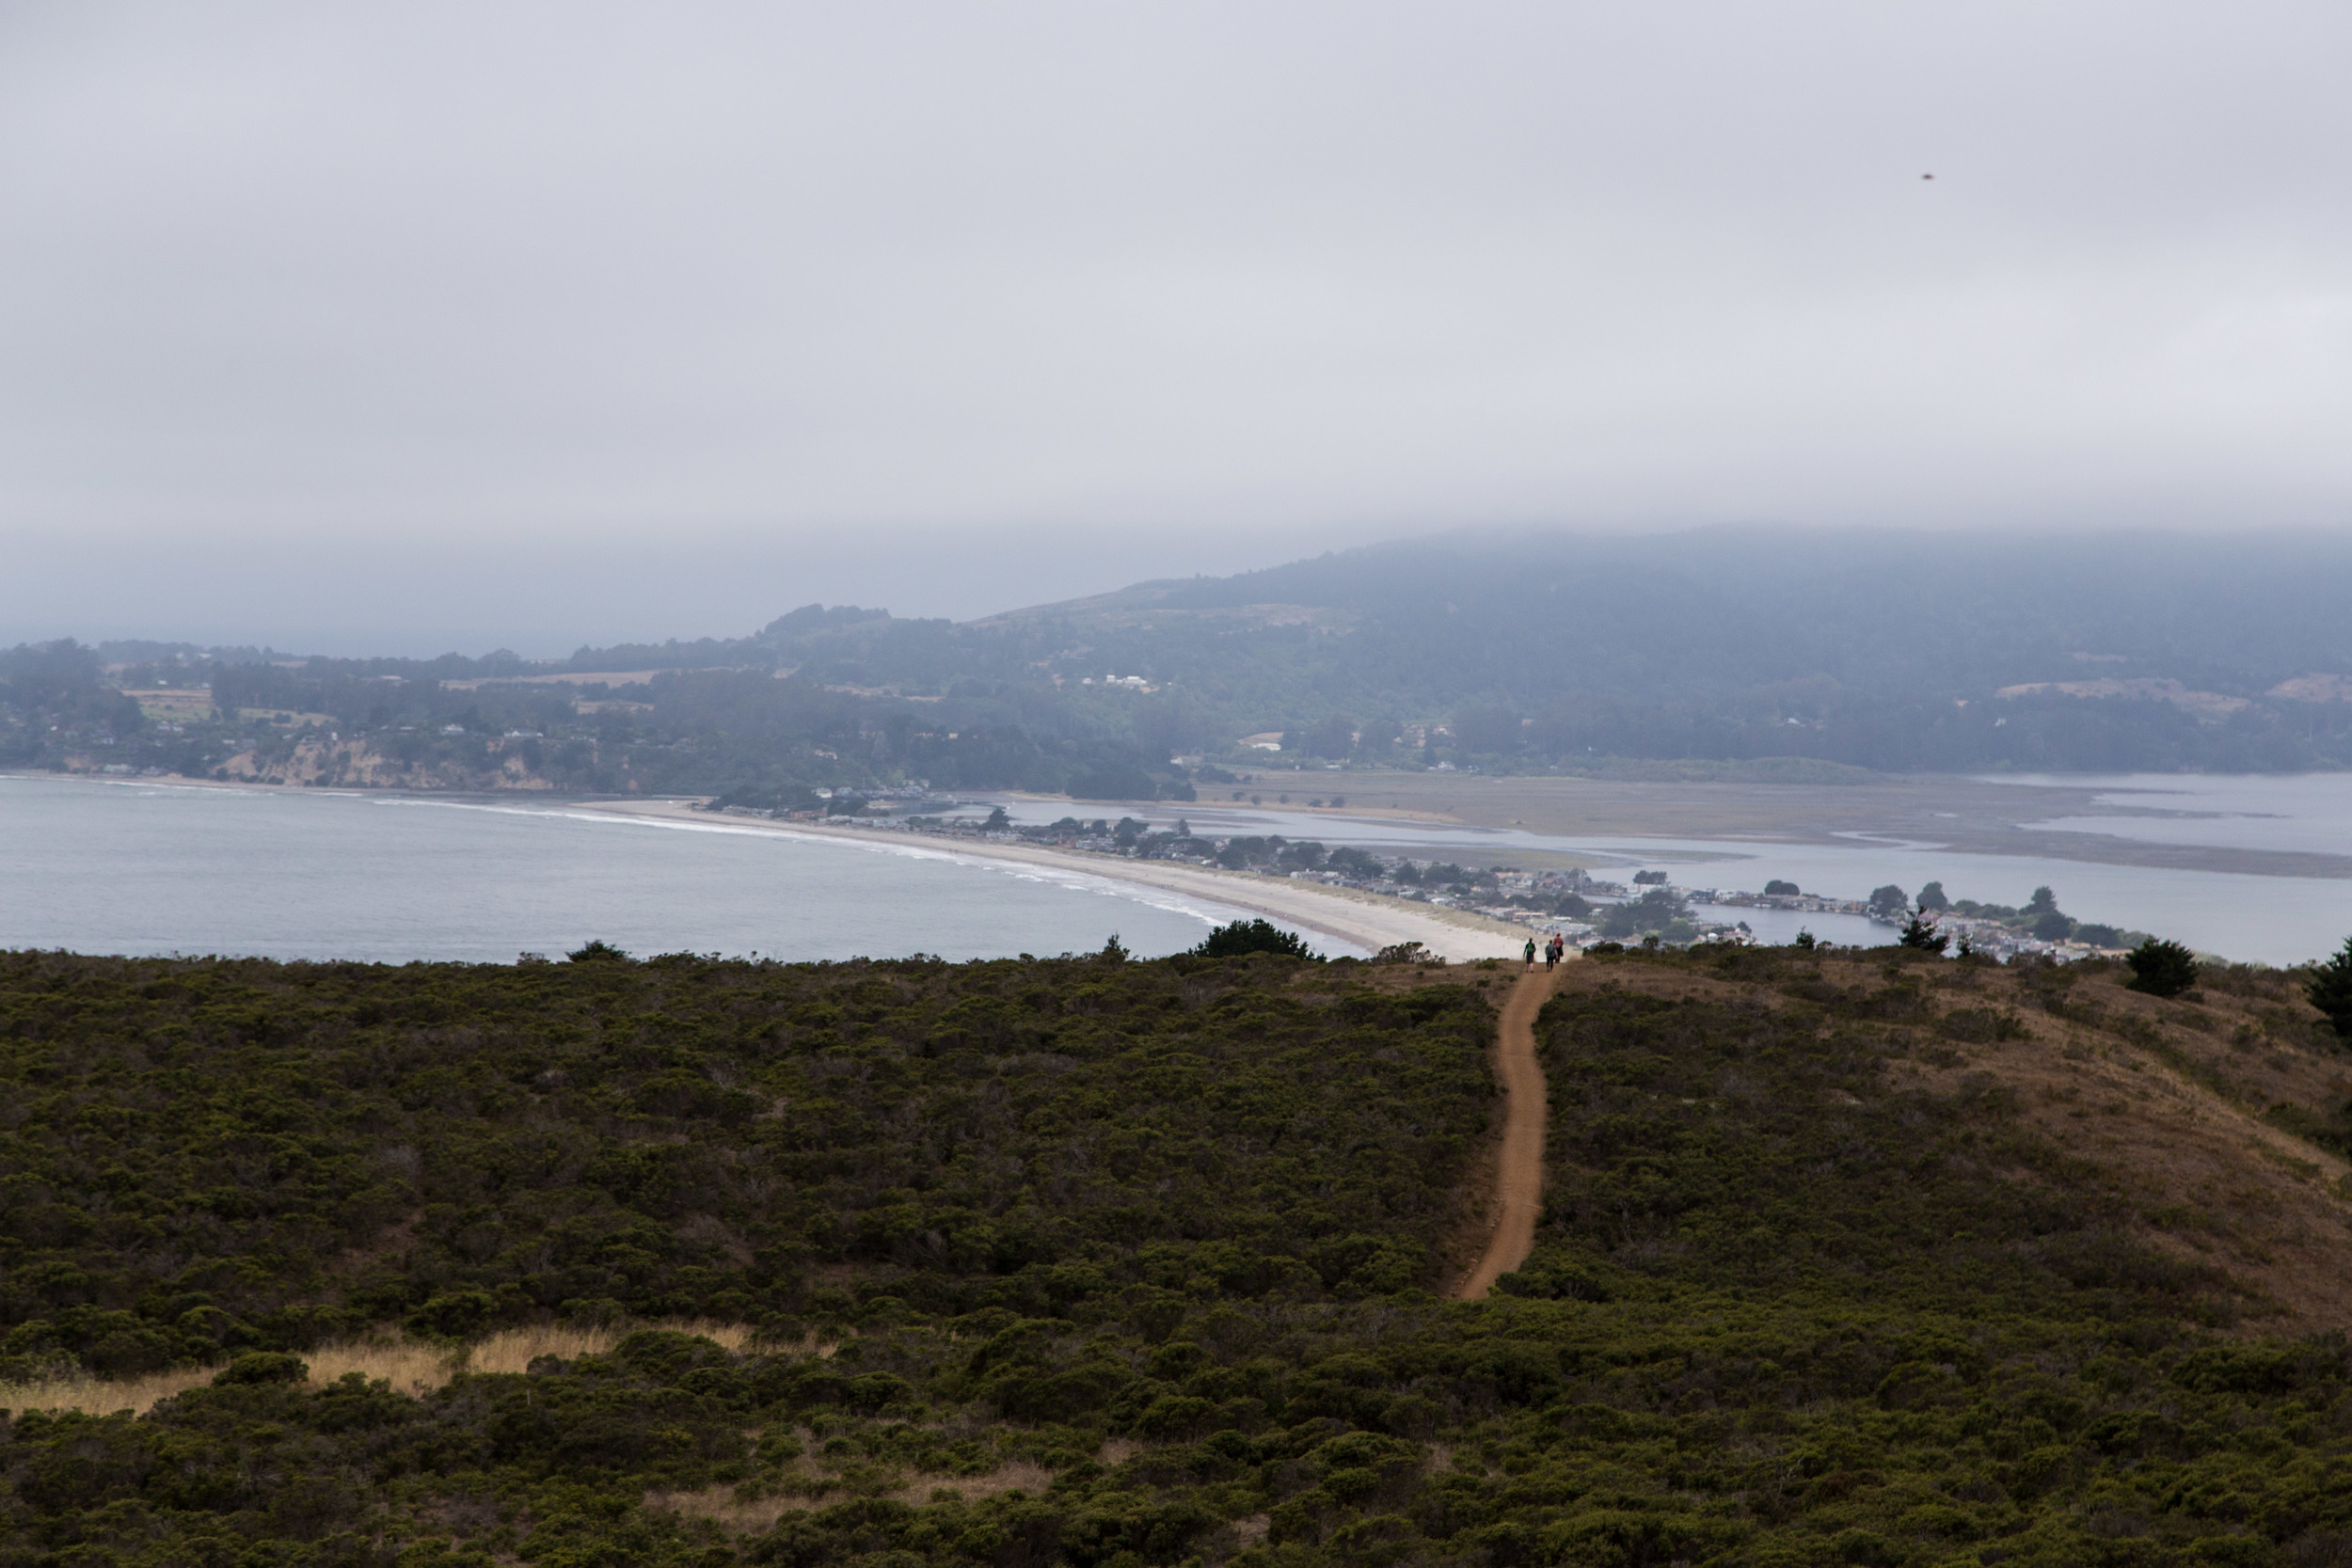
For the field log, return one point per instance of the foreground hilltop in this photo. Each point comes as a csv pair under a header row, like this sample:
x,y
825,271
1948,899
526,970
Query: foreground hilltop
x,y
1845,1259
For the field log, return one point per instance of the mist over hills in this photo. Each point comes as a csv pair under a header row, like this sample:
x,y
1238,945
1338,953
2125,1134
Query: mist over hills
x,y
1533,652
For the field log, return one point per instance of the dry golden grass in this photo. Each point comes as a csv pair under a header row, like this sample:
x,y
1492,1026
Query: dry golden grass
x,y
101,1396
411,1367
2170,1105
407,1365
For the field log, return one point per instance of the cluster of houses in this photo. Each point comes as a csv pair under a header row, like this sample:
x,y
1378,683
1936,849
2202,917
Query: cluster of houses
x,y
1992,938
1530,898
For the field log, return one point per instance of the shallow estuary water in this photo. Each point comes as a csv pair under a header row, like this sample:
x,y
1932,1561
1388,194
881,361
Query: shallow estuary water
x,y
2272,919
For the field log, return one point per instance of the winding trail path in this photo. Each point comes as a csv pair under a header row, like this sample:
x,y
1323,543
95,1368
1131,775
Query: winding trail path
x,y
1519,1165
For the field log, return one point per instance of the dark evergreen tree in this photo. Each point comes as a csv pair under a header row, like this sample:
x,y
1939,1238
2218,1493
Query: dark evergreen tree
x,y
1919,932
2161,968
2329,986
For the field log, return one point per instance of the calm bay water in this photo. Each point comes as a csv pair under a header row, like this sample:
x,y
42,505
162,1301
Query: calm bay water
x,y
146,868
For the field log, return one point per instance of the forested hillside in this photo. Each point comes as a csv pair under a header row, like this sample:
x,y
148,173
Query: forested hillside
x,y
1887,651
1547,652
1094,1261
483,724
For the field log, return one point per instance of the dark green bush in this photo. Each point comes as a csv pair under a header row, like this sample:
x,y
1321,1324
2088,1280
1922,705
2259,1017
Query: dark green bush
x,y
263,1367
2161,968
1244,937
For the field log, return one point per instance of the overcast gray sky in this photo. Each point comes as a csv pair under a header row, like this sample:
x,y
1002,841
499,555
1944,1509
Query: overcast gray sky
x,y
417,326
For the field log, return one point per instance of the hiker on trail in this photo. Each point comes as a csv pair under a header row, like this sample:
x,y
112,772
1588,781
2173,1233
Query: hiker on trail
x,y
1531,952
1551,953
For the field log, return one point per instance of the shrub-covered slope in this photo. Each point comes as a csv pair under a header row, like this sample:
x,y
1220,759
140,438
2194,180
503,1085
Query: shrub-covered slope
x,y
1096,1262
227,1155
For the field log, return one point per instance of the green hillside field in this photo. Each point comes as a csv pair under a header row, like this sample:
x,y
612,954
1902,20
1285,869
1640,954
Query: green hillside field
x,y
1095,1262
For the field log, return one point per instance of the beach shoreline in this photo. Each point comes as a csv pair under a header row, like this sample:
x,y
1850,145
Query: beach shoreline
x,y
1363,919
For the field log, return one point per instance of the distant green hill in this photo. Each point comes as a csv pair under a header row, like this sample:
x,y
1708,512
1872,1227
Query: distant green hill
x,y
1881,651
1886,651
1784,652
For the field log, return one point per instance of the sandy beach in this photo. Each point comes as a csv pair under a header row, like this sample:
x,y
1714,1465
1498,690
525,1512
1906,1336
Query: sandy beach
x,y
1367,920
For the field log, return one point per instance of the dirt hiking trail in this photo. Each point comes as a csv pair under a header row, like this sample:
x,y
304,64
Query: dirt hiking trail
x,y
1520,1163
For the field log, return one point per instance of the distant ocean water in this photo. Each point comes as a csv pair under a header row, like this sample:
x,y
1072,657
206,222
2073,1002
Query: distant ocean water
x,y
156,868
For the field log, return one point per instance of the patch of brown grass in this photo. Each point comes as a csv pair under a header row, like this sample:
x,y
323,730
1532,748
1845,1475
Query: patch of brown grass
x,y
514,1350
1019,1475
2169,1106
411,1367
93,1396
718,1505
2157,1096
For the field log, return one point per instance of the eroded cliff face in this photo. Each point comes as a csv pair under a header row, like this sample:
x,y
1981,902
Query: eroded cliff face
x,y
327,762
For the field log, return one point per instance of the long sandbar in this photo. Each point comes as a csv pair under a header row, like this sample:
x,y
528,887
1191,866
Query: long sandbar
x,y
1367,920
1965,814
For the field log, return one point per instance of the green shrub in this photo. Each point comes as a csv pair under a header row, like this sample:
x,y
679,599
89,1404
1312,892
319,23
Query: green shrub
x,y
1244,937
262,1367
1159,1233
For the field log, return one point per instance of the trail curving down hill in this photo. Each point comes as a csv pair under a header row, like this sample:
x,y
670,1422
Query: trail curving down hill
x,y
1520,1163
